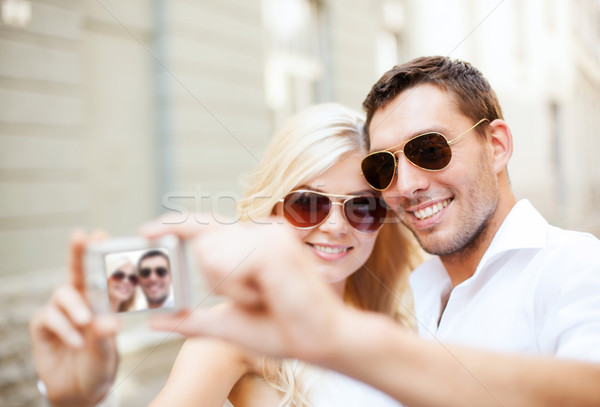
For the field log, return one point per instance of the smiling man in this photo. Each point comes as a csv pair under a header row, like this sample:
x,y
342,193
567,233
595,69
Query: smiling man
x,y
155,278
501,278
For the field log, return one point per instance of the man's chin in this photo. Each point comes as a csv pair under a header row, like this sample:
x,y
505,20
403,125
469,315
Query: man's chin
x,y
156,301
438,245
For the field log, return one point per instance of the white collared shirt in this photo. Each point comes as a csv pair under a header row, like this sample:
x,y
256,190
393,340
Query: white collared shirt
x,y
536,291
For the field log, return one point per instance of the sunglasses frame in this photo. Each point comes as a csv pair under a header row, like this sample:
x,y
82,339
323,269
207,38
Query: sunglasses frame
x,y
344,199
132,278
393,153
153,270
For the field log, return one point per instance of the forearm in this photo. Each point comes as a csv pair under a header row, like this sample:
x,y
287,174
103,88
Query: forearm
x,y
204,373
421,373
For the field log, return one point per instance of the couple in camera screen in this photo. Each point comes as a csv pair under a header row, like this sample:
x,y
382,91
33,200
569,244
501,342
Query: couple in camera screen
x,y
152,274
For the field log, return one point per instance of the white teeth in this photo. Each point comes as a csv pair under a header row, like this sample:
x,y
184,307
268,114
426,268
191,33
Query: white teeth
x,y
330,250
431,210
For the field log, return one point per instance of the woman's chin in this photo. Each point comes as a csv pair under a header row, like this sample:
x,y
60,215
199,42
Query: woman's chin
x,y
119,298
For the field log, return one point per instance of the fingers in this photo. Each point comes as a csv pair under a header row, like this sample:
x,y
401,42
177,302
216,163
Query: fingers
x,y
72,304
50,321
198,322
106,325
226,321
67,315
64,316
183,226
78,242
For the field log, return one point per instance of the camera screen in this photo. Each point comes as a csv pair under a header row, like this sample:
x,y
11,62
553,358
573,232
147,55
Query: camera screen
x,y
139,280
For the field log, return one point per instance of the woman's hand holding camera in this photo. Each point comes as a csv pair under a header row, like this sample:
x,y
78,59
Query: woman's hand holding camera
x,y
74,351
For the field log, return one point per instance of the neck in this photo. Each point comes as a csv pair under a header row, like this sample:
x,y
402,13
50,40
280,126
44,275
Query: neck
x,y
461,265
339,288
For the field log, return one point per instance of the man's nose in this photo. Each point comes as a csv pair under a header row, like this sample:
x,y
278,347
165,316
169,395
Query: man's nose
x,y
409,179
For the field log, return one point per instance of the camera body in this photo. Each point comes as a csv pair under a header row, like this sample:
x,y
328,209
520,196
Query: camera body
x,y
132,274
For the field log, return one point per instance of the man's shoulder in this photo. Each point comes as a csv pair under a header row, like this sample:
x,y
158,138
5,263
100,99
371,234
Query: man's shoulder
x,y
525,228
572,246
567,258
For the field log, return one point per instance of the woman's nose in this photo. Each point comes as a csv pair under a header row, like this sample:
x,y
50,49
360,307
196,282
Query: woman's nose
x,y
336,221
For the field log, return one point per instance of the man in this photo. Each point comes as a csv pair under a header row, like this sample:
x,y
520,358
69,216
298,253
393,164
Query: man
x,y
155,278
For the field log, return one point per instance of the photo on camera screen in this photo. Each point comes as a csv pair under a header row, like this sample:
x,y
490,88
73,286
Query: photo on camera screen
x,y
134,274
139,280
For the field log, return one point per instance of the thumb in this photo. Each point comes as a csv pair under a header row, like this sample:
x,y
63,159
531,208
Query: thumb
x,y
224,321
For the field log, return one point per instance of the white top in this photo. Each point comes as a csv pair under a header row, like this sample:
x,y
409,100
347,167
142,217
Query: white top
x,y
326,388
536,291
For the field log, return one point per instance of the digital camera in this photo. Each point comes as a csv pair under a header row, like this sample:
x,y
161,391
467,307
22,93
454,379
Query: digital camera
x,y
132,274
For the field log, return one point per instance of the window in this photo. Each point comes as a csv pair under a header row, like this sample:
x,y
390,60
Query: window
x,y
293,69
391,41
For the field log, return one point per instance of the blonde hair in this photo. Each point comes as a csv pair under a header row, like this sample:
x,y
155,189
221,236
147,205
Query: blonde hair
x,y
308,144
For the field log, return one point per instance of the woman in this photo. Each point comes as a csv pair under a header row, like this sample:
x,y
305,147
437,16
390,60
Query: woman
x,y
310,176
121,284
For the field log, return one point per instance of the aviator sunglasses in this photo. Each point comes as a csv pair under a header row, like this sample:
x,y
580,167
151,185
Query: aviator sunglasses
x,y
120,276
160,271
428,151
306,209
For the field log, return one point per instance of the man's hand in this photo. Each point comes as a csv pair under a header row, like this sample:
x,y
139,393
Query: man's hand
x,y
280,305
74,351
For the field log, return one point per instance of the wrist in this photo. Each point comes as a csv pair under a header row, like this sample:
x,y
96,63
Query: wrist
x,y
69,400
366,339
350,338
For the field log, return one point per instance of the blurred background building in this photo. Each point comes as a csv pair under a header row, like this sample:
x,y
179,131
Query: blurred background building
x,y
112,112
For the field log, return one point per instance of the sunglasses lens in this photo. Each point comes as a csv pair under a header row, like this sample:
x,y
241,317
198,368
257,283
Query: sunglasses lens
x,y
305,209
378,169
366,213
429,151
118,275
160,271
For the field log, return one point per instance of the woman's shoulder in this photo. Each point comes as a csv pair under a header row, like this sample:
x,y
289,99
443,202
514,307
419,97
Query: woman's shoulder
x,y
205,369
244,370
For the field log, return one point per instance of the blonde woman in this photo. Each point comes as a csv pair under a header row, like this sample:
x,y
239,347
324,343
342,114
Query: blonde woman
x,y
121,284
310,177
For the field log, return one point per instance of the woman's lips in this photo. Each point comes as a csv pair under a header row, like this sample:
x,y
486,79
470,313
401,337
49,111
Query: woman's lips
x,y
330,252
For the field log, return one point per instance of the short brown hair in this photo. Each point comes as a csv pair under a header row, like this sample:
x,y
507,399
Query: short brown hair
x,y
474,96
153,253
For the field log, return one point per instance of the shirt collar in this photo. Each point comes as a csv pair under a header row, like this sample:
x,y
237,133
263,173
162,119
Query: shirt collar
x,y
523,228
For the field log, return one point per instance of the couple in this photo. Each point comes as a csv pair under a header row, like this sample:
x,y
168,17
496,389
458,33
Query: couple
x,y
153,274
508,308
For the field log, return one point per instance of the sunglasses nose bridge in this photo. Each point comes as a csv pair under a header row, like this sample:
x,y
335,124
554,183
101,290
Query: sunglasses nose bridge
x,y
336,219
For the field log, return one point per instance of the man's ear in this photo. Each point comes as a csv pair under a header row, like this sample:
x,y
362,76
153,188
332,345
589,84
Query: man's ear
x,y
502,144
